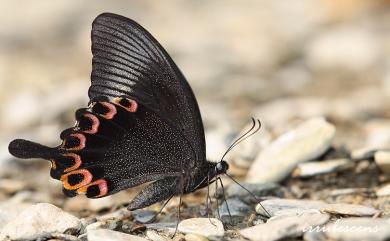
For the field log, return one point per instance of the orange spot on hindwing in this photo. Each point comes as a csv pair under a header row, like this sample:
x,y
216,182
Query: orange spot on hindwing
x,y
76,179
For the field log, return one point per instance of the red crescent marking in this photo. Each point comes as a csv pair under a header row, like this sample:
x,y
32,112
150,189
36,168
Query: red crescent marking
x,y
82,140
133,104
102,184
95,124
76,159
111,110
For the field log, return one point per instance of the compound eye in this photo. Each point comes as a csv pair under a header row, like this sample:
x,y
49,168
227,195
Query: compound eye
x,y
224,166
219,167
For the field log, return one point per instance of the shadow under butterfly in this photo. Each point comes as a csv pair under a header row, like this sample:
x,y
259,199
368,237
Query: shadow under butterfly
x,y
142,124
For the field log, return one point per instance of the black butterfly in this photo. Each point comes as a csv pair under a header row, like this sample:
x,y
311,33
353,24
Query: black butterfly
x,y
142,124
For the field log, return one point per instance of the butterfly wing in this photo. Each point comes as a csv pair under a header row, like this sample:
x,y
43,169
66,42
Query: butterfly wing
x,y
115,145
143,123
128,60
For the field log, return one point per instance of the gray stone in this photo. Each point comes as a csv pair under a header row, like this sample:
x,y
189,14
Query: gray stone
x,y
287,207
259,190
238,210
165,227
277,207
10,210
308,141
315,236
107,224
356,229
365,153
202,226
288,227
349,209
109,235
144,216
382,159
309,169
377,130
293,212
38,220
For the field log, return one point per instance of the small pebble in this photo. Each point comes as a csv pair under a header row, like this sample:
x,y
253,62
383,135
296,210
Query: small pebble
x,y
238,211
194,237
165,227
80,203
120,214
202,226
365,153
284,227
274,206
286,207
109,235
155,236
107,224
100,203
11,186
306,142
10,210
309,169
383,191
382,159
144,216
38,220
349,191
349,209
356,229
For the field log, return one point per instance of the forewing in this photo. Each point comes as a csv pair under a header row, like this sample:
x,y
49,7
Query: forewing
x,y
128,61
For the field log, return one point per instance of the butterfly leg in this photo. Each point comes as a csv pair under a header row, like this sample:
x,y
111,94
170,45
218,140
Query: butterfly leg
x,y
216,199
158,191
208,201
181,191
226,203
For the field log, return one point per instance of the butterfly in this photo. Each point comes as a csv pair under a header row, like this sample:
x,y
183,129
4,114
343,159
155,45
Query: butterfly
x,y
142,124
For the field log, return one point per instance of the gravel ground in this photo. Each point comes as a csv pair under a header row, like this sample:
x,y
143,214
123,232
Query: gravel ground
x,y
316,75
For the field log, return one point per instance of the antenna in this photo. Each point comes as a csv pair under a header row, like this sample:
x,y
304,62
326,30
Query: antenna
x,y
252,130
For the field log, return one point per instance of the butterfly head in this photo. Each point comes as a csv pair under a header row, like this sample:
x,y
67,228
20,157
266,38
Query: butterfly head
x,y
221,167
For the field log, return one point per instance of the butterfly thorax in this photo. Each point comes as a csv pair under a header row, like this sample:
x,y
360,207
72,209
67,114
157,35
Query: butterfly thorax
x,y
206,174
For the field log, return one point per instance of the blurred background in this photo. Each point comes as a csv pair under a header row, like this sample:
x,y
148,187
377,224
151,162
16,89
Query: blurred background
x,y
280,62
